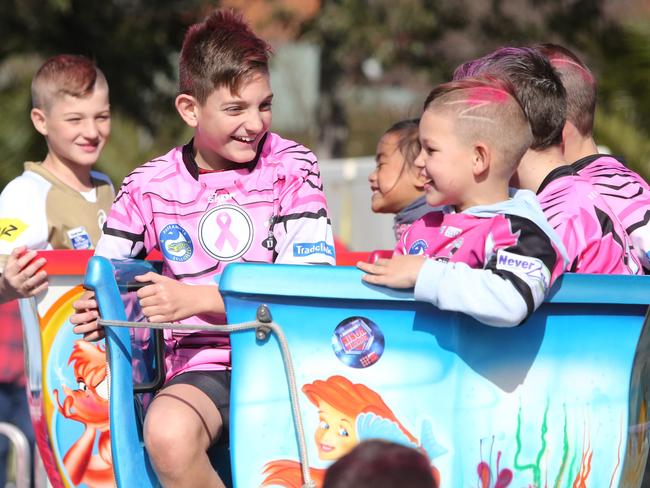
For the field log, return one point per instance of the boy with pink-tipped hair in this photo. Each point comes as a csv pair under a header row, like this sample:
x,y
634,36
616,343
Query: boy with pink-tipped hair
x,y
489,253
590,230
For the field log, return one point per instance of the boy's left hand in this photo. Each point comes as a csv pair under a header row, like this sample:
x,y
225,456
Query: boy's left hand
x,y
164,299
396,272
168,300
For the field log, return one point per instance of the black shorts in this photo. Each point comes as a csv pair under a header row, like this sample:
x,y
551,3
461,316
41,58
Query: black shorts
x,y
216,385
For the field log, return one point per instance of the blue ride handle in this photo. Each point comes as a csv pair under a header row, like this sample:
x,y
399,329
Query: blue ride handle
x,y
130,463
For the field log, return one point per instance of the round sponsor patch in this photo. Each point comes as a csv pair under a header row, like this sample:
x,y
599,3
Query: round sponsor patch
x,y
176,243
226,232
418,247
358,342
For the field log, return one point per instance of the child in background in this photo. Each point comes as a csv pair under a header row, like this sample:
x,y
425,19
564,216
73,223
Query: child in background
x,y
59,203
625,191
397,185
595,239
380,464
235,192
486,254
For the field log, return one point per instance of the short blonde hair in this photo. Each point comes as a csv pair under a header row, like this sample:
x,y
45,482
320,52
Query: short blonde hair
x,y
486,110
65,74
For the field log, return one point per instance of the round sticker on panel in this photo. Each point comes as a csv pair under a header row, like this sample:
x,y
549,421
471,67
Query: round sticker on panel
x,y
358,342
226,232
176,243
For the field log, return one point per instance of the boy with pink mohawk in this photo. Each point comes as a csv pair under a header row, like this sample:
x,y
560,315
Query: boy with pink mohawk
x,y
595,239
486,242
235,192
625,191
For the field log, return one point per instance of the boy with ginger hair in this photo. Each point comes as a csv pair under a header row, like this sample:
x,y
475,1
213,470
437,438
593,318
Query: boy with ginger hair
x,y
486,242
59,203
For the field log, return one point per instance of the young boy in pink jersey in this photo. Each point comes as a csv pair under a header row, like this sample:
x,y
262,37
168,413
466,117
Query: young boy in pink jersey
x,y
595,239
235,192
625,191
488,254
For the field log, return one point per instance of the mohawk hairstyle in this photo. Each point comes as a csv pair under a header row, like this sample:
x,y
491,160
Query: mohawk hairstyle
x,y
579,83
65,74
220,51
536,84
486,108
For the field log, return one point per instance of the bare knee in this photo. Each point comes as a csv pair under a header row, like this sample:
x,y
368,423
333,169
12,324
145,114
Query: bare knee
x,y
170,441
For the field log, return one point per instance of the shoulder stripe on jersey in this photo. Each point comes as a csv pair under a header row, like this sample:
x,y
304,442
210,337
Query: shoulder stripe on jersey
x,y
158,197
642,223
581,163
198,273
285,149
619,195
533,242
131,236
557,173
317,187
521,286
549,218
557,194
607,226
322,213
546,208
310,162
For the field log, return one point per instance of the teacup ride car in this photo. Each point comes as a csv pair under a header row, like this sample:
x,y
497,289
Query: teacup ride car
x,y
322,361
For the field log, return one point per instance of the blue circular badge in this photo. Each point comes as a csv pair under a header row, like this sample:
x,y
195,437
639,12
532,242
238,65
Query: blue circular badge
x,y
175,243
418,247
358,342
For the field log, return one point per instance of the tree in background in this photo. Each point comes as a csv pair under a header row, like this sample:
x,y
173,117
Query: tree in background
x,y
418,42
134,42
368,44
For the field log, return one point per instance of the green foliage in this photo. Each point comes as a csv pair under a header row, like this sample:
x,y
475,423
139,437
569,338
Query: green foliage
x,y
134,42
417,44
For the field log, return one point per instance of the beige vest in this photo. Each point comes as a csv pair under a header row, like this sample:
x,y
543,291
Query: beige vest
x,y
69,214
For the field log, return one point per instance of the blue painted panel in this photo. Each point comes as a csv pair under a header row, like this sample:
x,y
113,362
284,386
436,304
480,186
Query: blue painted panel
x,y
559,401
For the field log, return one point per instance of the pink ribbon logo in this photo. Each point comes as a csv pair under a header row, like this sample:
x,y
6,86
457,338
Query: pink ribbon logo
x,y
223,222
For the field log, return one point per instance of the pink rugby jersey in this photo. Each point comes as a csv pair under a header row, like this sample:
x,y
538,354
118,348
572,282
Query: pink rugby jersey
x,y
495,263
626,193
272,210
592,235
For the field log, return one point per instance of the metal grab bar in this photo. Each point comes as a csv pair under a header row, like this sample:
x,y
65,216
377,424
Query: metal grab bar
x,y
23,453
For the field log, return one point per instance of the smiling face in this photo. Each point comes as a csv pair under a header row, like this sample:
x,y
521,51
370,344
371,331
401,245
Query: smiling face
x,y
229,126
336,434
76,128
445,161
393,185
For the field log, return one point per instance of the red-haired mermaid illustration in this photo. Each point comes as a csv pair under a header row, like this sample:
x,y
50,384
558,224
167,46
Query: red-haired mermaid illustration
x,y
349,413
89,405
